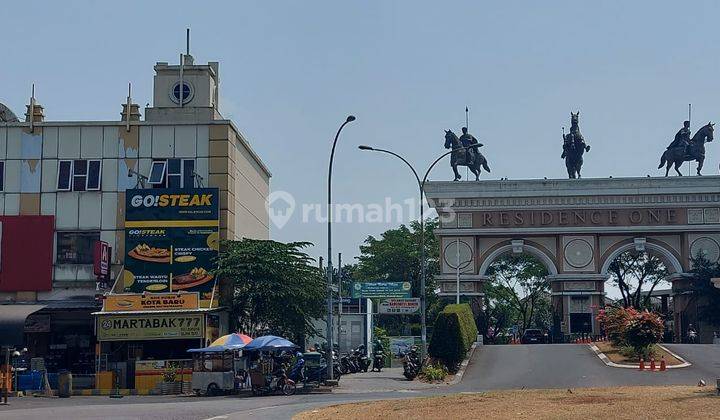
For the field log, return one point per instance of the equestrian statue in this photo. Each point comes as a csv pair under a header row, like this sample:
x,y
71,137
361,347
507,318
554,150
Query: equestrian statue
x,y
465,153
683,148
574,147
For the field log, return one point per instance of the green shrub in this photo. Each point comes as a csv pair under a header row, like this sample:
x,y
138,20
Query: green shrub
x,y
453,334
643,331
436,372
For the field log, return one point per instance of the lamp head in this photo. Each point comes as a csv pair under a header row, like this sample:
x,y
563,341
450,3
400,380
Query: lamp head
x,y
363,147
350,118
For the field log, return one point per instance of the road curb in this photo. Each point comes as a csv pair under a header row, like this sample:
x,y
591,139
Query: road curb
x,y
463,365
610,363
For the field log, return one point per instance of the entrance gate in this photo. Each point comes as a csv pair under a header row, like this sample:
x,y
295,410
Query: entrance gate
x,y
576,228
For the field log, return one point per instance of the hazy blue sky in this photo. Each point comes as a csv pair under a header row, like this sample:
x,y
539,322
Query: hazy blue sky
x,y
291,71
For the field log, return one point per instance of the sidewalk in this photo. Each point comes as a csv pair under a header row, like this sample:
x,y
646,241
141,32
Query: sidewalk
x,y
390,379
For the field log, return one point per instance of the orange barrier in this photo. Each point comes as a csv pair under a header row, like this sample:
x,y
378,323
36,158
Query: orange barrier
x,y
652,364
642,364
662,364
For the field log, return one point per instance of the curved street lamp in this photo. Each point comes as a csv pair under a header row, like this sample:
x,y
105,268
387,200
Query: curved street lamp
x,y
421,187
329,335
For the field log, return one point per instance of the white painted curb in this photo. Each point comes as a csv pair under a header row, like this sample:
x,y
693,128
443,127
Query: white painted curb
x,y
610,363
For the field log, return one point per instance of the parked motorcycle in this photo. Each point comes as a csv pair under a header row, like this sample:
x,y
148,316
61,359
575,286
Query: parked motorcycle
x,y
278,382
411,363
347,364
378,361
378,356
362,360
337,366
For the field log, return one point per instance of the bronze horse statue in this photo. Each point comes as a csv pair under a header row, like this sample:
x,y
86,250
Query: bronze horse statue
x,y
574,147
460,156
694,151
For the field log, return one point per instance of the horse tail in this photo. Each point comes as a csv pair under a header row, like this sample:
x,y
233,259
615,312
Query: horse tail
x,y
663,160
485,165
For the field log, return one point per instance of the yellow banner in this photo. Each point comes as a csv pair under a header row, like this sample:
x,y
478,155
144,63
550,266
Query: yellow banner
x,y
150,301
149,327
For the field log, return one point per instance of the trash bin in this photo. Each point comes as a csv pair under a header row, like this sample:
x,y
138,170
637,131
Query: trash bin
x,y
64,384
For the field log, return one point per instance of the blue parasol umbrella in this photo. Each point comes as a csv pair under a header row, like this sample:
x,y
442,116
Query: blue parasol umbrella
x,y
270,342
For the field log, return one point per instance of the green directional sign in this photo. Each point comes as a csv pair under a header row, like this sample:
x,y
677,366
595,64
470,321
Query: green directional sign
x,y
382,290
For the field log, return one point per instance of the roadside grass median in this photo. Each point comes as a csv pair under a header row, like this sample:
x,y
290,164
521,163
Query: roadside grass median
x,y
634,403
623,355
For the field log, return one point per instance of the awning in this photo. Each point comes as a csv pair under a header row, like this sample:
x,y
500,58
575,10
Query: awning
x,y
12,323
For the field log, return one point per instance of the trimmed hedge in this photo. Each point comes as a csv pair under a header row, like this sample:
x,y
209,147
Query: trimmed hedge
x,y
453,335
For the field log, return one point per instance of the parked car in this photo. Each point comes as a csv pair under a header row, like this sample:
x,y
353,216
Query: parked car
x,y
533,336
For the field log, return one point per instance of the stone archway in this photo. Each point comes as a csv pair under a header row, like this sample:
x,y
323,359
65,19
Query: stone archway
x,y
576,228
668,258
518,247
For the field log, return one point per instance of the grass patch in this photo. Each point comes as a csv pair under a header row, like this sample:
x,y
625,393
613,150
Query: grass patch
x,y
625,355
677,402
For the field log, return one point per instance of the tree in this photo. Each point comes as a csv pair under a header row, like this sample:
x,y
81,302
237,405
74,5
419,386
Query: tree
x,y
395,256
703,290
632,272
644,330
520,281
275,287
495,315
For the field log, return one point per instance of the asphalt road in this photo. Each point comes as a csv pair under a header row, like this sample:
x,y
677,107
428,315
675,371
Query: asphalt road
x,y
574,365
492,368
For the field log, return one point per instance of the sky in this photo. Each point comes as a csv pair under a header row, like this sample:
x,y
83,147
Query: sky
x,y
290,73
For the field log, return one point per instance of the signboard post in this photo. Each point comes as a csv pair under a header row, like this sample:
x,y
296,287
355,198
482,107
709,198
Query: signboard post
x,y
381,290
171,240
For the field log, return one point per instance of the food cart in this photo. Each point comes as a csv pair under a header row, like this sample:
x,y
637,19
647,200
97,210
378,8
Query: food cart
x,y
220,367
263,355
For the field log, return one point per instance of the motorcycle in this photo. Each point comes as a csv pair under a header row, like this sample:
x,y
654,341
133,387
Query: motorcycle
x,y
411,364
347,365
362,359
337,366
378,361
279,382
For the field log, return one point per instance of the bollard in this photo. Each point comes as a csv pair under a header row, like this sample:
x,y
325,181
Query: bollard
x,y
652,364
662,364
642,364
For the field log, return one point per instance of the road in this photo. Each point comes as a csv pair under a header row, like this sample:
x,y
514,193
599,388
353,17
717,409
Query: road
x,y
491,368
574,365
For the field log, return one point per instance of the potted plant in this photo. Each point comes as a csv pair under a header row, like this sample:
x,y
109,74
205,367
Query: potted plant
x,y
169,384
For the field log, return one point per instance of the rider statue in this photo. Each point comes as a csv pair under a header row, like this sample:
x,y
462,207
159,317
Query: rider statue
x,y
466,140
682,138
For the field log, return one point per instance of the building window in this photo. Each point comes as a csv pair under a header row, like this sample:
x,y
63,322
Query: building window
x,y
79,175
173,173
2,176
187,92
157,172
76,247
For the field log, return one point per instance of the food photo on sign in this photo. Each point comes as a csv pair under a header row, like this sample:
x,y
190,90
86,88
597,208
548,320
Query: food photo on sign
x,y
172,237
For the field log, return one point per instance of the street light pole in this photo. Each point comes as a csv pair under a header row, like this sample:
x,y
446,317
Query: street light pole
x,y
423,265
329,325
